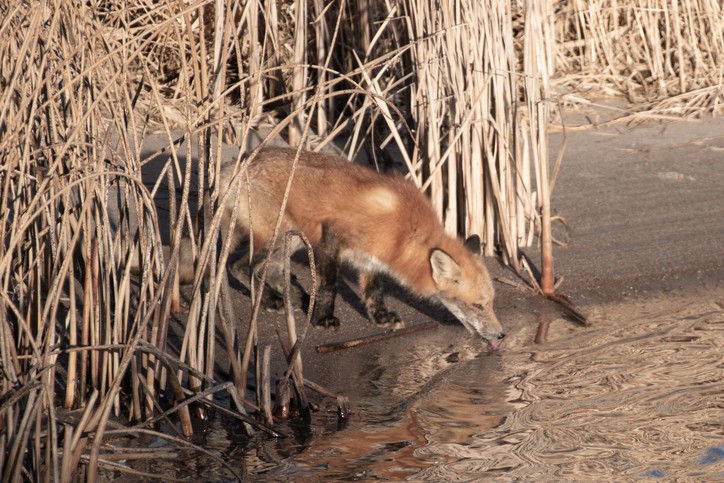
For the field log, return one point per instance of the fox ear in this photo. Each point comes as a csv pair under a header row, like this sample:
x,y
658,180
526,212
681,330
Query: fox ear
x,y
473,244
445,270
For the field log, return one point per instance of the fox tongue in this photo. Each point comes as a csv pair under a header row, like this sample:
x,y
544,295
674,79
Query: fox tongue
x,y
493,345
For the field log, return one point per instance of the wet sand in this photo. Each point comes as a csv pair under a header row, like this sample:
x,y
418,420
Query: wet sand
x,y
646,208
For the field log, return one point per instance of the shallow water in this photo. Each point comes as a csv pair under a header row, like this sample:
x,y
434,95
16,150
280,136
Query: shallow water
x,y
636,396
633,397
642,400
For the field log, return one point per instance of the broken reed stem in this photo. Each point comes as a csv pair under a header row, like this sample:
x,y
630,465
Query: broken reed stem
x,y
294,360
288,352
252,334
265,383
251,337
227,321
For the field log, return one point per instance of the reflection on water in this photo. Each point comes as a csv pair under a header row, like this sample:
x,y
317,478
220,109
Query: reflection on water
x,y
636,396
633,397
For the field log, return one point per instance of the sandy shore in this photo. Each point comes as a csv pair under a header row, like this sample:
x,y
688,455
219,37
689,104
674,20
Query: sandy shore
x,y
646,208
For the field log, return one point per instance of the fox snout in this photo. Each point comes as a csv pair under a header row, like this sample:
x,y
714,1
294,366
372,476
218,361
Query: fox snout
x,y
491,330
479,320
487,326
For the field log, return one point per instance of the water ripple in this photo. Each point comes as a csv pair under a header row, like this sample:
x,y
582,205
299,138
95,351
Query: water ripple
x,y
636,397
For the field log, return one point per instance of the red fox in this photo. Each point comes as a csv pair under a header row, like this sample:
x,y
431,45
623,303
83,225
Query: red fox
x,y
379,224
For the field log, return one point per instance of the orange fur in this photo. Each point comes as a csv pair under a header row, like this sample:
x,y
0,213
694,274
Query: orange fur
x,y
382,223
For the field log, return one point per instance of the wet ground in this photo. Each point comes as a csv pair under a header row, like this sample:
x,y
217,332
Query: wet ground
x,y
638,395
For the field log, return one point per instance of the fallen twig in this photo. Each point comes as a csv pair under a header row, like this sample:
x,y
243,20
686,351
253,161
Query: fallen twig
x,y
319,389
335,346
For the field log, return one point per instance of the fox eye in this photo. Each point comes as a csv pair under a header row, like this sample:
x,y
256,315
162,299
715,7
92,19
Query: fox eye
x,y
479,306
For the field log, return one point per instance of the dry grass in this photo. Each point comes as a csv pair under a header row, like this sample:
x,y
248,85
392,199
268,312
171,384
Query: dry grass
x,y
459,97
664,56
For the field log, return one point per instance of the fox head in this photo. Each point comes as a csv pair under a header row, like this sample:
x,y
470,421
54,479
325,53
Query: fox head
x,y
465,289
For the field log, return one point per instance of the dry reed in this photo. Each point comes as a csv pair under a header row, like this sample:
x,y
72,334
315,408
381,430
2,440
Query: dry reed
x,y
458,94
664,56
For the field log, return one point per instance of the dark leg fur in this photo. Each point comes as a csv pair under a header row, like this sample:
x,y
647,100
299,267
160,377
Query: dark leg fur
x,y
377,312
273,301
273,296
327,263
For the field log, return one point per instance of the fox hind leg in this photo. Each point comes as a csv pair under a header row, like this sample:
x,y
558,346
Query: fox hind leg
x,y
272,298
326,256
377,311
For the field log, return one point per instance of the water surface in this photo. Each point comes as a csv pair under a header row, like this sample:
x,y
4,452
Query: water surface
x,y
639,395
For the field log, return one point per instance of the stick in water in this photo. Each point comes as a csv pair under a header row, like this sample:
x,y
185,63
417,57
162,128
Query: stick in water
x,y
335,346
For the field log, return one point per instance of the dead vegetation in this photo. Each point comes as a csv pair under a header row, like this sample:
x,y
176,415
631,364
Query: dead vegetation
x,y
460,96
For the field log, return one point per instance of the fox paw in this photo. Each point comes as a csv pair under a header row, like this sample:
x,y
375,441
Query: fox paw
x,y
328,322
272,302
387,319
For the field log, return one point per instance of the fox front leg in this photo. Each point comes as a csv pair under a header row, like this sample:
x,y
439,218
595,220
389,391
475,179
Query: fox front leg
x,y
377,312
